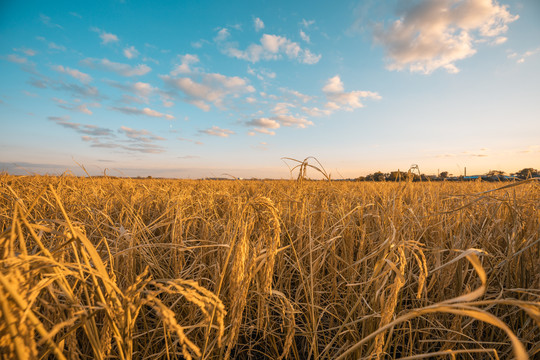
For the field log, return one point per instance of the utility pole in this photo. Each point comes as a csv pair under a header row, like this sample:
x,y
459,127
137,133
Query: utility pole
x,y
465,171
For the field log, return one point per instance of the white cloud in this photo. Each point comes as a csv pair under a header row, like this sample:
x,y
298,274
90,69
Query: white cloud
x,y
130,52
263,123
139,135
216,131
47,21
82,108
304,36
222,35
258,23
282,108
82,77
26,51
333,85
77,106
261,74
106,37
213,88
16,59
339,99
261,131
185,62
315,111
499,40
55,46
119,68
303,97
435,34
143,89
525,55
145,111
290,120
307,23
271,47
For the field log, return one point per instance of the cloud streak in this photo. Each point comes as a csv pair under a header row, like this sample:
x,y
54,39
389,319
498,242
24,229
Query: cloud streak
x,y
145,111
217,131
118,68
74,73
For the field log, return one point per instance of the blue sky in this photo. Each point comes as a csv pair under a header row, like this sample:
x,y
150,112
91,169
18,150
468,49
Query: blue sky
x,y
196,89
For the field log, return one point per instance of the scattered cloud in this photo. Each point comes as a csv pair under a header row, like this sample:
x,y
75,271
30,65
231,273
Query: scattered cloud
x,y
258,24
41,84
307,23
14,58
212,89
143,90
82,77
190,140
51,45
73,13
189,157
130,52
77,106
118,68
271,47
264,123
89,130
261,131
185,62
315,111
282,108
216,131
133,140
499,40
30,94
54,46
261,74
139,135
302,97
290,120
520,58
145,111
305,37
197,44
338,99
222,35
106,38
47,21
77,90
26,51
435,34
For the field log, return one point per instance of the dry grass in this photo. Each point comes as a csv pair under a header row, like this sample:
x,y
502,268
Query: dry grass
x,y
161,269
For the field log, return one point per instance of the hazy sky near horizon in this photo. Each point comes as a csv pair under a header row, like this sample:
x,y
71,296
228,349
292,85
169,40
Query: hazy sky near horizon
x,y
202,88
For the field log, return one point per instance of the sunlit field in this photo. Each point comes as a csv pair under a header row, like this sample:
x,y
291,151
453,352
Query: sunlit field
x,y
104,268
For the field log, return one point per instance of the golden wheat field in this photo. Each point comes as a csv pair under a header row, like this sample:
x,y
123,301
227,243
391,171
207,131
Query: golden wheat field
x,y
104,268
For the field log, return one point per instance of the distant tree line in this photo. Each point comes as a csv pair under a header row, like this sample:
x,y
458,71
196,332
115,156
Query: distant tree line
x,y
493,175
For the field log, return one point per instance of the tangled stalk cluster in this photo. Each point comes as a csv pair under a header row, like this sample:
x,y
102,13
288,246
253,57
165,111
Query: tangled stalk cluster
x,y
148,269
